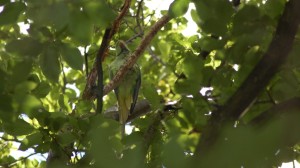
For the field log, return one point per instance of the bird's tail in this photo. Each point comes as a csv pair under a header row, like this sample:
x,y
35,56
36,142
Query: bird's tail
x,y
123,115
122,130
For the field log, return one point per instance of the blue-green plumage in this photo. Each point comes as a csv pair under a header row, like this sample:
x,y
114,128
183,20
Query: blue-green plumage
x,y
127,91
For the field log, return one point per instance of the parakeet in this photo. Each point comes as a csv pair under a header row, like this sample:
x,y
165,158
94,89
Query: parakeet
x,y
127,91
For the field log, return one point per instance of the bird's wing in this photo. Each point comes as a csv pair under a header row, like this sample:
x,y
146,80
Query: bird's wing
x,y
136,88
111,76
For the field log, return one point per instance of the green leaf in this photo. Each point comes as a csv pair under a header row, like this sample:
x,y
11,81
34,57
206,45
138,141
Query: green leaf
x,y
31,140
191,79
41,115
81,27
209,43
195,16
243,23
43,147
274,8
55,14
11,12
64,102
3,2
24,47
30,104
70,93
173,155
192,67
5,103
7,159
49,63
21,71
27,102
150,93
66,138
18,127
83,106
56,121
100,13
285,88
6,108
3,80
186,86
42,89
24,87
210,12
178,8
164,48
72,56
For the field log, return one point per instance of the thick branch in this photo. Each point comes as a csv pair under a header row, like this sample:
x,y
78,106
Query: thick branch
x,y
257,79
141,108
136,54
103,51
288,106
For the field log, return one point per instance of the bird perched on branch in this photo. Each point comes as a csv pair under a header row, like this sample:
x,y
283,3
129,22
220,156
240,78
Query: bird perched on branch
x,y
128,89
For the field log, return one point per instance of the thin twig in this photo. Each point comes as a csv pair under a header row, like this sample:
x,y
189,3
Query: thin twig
x,y
134,37
64,78
288,106
86,61
138,13
14,140
21,159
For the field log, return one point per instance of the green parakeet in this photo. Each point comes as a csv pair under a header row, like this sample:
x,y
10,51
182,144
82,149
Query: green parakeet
x,y
127,91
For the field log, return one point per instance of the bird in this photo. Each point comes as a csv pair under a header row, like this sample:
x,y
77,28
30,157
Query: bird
x,y
128,89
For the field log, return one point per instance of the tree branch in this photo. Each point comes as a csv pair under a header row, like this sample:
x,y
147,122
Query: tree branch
x,y
288,106
20,159
103,51
136,54
141,108
257,79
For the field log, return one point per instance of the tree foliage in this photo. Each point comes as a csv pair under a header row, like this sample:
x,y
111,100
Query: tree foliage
x,y
228,96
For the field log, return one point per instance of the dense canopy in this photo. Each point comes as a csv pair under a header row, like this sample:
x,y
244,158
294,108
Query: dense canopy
x,y
226,96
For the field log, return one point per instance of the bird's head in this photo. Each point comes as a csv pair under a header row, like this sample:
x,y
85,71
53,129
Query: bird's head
x,y
122,48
